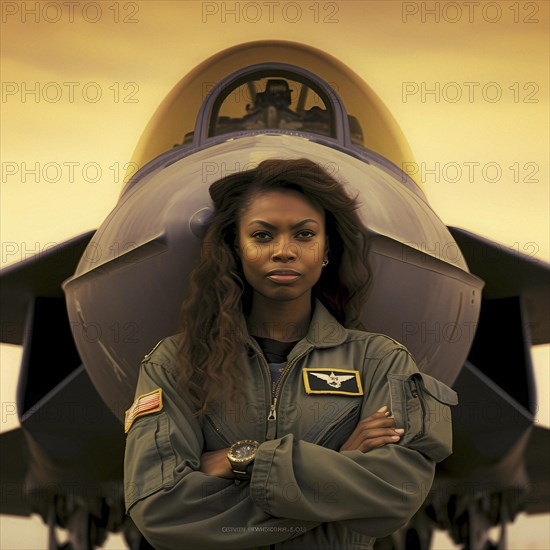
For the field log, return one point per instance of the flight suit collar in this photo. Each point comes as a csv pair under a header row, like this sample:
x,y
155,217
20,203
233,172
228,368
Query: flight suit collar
x,y
324,332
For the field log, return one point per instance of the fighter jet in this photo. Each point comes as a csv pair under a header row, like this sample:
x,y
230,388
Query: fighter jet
x,y
87,311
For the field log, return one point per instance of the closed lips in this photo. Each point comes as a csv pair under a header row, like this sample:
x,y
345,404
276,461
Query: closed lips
x,y
283,272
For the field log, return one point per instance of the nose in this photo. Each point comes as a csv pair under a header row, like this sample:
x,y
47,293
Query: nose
x,y
284,251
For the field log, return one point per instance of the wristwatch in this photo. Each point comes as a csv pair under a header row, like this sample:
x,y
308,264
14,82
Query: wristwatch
x,y
241,455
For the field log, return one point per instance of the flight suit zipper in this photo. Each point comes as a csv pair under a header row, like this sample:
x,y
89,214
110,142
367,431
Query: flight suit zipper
x,y
274,394
273,397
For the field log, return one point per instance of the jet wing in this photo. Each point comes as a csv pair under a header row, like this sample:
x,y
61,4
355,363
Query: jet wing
x,y
498,449
508,272
69,443
40,275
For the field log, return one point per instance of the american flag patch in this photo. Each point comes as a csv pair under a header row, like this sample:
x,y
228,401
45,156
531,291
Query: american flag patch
x,y
145,404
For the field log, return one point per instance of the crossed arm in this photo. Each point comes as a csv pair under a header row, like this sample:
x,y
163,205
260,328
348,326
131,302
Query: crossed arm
x,y
175,492
374,431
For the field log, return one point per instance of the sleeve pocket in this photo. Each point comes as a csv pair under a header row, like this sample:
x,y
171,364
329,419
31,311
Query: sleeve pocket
x,y
149,460
421,405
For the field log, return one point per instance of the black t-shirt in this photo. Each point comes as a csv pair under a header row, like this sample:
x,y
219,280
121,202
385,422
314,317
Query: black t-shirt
x,y
275,353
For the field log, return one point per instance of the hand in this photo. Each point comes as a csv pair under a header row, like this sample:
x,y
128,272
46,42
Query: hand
x,y
374,431
215,463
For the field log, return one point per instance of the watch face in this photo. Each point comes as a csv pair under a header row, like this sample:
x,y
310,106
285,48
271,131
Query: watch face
x,y
243,450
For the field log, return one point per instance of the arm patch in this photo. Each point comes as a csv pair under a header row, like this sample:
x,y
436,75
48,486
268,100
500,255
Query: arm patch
x,y
145,404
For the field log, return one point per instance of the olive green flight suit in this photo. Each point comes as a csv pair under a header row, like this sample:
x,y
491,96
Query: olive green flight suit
x,y
303,493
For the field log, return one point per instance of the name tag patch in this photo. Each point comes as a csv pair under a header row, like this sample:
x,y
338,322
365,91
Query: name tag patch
x,y
338,381
145,404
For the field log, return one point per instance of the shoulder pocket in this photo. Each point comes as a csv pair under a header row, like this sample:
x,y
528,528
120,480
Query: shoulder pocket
x,y
149,459
421,405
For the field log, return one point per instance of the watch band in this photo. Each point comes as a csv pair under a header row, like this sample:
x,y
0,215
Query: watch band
x,y
245,474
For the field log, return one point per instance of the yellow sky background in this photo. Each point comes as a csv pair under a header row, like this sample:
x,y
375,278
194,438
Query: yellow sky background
x,y
466,81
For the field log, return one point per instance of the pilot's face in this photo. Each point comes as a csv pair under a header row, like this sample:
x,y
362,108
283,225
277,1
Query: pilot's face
x,y
281,243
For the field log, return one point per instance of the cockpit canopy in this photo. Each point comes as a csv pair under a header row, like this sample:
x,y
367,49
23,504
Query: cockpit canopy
x,y
276,98
272,102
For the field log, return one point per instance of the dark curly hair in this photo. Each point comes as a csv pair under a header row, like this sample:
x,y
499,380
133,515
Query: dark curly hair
x,y
214,337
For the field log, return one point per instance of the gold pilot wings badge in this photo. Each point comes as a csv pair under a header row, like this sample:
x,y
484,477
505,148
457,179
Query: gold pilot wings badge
x,y
145,404
338,381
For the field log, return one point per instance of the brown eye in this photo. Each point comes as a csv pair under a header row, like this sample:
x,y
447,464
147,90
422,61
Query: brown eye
x,y
261,235
306,234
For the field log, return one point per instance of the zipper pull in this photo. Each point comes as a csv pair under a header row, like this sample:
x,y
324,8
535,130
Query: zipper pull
x,y
272,413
